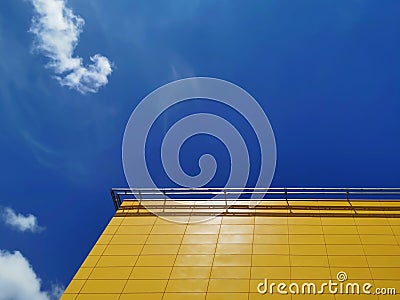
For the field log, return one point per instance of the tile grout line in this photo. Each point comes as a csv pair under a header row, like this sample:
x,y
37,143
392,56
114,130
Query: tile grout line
x,y
134,265
215,251
176,257
363,249
326,251
108,243
251,257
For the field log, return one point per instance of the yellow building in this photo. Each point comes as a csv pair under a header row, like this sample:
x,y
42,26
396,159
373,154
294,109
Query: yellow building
x,y
292,245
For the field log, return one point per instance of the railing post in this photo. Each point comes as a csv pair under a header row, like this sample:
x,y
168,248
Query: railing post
x,y
140,201
116,206
287,201
165,201
226,202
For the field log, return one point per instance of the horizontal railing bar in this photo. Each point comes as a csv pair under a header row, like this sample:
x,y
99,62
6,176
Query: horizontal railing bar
x,y
291,194
271,188
271,199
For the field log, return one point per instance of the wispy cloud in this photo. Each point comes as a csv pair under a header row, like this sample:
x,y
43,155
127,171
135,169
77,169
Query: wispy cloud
x,y
57,31
19,221
18,280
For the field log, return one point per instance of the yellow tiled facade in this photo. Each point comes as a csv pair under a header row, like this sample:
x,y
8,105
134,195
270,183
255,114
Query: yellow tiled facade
x,y
227,257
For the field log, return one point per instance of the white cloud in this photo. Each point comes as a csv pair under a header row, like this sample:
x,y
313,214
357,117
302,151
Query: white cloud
x,y
18,281
19,221
56,291
57,31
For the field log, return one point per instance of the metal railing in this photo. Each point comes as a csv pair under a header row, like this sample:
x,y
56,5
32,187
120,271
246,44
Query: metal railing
x,y
272,201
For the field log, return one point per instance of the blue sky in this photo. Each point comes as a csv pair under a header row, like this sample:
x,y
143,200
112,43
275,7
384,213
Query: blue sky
x,y
325,72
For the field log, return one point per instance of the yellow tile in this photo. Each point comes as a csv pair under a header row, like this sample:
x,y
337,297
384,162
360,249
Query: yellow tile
x,y
394,221
270,272
353,273
83,273
187,285
237,229
116,221
199,239
257,296
337,221
385,273
110,229
354,297
135,229
275,239
90,261
104,239
150,272
271,229
228,286
111,273
117,261
321,297
345,250
202,229
347,261
306,239
270,260
384,261
270,249
123,250
74,286
335,239
97,249
97,297
145,220
309,273
269,220
128,239
145,286
235,238
375,230
388,284
190,272
168,229
378,240
304,220
184,296
197,249
103,286
396,230
138,296
308,249
232,260
168,239
382,249
340,230
305,229
155,260
193,260
309,260
161,221
371,221
227,296
230,272
215,220
234,249
238,220
159,249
